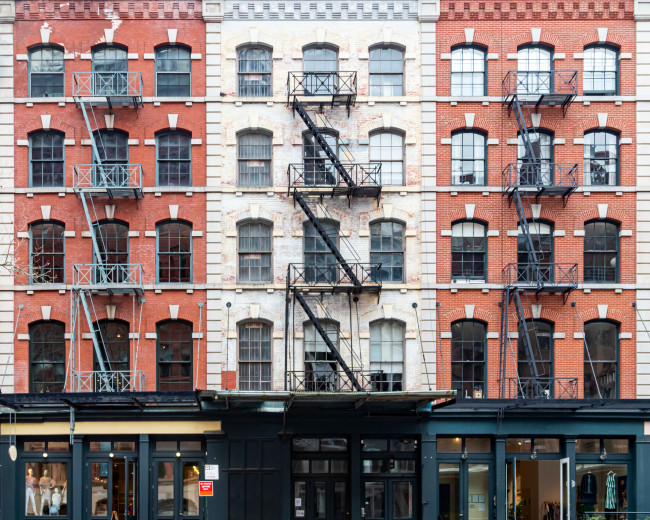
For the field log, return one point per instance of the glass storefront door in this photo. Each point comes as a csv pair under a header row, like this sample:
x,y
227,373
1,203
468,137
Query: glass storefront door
x,y
176,488
112,489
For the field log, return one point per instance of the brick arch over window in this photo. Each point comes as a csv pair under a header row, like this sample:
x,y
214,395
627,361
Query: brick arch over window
x,y
524,37
614,38
480,39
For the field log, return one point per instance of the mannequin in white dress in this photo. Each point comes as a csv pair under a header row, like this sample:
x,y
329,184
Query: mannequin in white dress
x,y
30,487
45,484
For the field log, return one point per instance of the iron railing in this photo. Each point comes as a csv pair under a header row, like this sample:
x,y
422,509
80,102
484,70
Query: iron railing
x,y
107,176
109,275
541,275
542,388
540,174
321,84
335,276
326,379
556,83
107,84
108,381
323,174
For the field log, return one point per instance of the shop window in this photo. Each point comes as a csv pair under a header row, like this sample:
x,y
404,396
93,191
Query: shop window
x,y
111,446
534,70
46,488
255,356
464,444
478,445
468,71
587,445
46,72
254,72
519,445
616,445
254,252
178,446
468,251
468,346
449,507
449,444
47,357
387,355
468,158
387,248
175,352
602,488
46,159
601,252
386,71
603,446
254,159
173,71
47,252
601,158
174,158
601,360
46,446
174,252
600,70
387,150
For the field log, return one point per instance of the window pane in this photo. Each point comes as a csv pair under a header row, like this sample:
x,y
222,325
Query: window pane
x,y
386,74
601,158
468,72
46,159
387,150
174,164
518,445
113,336
174,356
47,357
587,445
603,487
46,77
254,244
386,355
600,70
387,249
478,445
191,488
254,160
254,72
601,252
174,253
534,67
375,499
547,445
254,356
601,359
165,489
478,484
45,488
402,500
173,67
449,482
449,445
468,251
468,339
47,253
468,152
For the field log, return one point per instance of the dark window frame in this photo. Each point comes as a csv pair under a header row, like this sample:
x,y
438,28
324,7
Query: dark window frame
x,y
268,161
31,74
324,268
538,361
594,132
188,254
263,224
587,367
32,361
261,384
526,274
263,90
616,72
109,346
317,168
158,60
528,70
463,252
594,251
457,49
185,138
375,255
41,134
189,326
462,132
60,270
381,47
462,363
393,132
384,381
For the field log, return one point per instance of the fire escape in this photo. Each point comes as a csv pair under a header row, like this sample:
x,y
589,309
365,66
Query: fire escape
x,y
91,182
309,184
530,179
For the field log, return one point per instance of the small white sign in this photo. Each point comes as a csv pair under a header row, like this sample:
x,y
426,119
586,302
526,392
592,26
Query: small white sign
x,y
300,513
298,502
212,472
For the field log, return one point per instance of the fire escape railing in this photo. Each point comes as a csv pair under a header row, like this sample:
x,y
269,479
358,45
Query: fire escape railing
x,y
542,388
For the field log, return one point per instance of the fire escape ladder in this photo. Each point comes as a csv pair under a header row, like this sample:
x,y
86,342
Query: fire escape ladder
x,y
326,238
323,334
527,332
313,129
93,334
505,310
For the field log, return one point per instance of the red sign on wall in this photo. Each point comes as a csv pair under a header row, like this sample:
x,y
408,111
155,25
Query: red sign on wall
x,y
205,488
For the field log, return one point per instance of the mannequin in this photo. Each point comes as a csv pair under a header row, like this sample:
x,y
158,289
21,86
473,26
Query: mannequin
x,y
45,483
56,502
30,486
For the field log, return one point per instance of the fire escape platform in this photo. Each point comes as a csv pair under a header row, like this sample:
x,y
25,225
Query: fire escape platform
x,y
336,278
323,88
540,179
553,88
108,180
108,278
551,278
108,89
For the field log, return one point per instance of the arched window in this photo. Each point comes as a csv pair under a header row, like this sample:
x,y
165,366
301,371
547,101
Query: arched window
x,y
387,249
468,71
174,158
387,355
318,169
542,236
254,159
321,368
540,334
46,72
110,65
535,170
601,161
387,150
468,354
113,336
174,252
255,340
600,70
113,241
468,251
601,360
320,62
173,71
254,67
46,357
175,353
601,252
46,159
254,248
534,70
320,262
47,252
468,158
386,71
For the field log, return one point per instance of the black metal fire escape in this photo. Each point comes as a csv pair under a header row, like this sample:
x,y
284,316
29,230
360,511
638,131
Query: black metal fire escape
x,y
531,178
309,184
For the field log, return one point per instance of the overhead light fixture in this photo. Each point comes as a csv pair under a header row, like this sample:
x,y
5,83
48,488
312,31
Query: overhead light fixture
x,y
178,453
45,455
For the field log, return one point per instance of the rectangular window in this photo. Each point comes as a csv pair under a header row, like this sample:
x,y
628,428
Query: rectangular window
x,y
387,150
254,356
46,71
254,160
254,253
386,72
173,71
602,488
